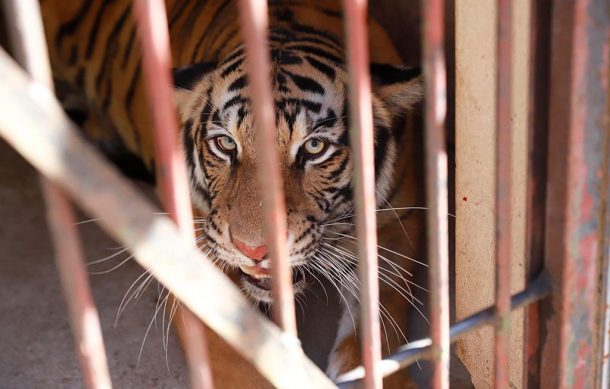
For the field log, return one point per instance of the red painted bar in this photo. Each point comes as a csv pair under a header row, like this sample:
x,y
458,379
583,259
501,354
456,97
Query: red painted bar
x,y
254,19
538,95
75,284
503,194
30,49
361,135
436,173
151,19
577,169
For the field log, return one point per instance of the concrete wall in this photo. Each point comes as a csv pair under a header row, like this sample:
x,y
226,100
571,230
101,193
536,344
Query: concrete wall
x,y
475,189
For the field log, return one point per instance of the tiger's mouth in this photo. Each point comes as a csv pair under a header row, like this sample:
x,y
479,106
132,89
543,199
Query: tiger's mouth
x,y
259,275
256,281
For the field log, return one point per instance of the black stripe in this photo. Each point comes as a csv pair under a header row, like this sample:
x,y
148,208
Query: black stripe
x,y
187,142
235,101
174,17
382,138
236,54
322,67
110,52
317,52
306,84
207,107
238,84
339,170
70,26
312,106
130,40
204,35
232,67
95,29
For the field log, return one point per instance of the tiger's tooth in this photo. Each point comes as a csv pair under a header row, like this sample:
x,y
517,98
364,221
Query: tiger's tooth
x,y
252,271
265,264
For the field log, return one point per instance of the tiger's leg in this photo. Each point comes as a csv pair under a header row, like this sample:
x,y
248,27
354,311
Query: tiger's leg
x,y
397,301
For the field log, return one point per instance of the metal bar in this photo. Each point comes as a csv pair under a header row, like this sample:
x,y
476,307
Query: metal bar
x,y
33,123
603,379
420,349
436,189
362,138
503,193
578,124
75,284
29,44
254,19
151,19
539,51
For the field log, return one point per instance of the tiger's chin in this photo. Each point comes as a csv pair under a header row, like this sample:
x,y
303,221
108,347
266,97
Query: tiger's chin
x,y
256,281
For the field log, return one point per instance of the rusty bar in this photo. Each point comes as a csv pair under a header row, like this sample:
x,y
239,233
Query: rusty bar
x,y
503,193
603,379
362,138
578,125
436,189
33,123
29,44
420,349
151,19
254,19
538,95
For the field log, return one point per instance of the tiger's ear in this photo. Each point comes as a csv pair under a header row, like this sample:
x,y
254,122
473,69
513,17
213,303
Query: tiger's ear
x,y
399,87
186,79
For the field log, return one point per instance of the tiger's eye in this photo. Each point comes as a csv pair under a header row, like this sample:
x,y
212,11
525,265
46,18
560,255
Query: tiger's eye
x,y
225,143
314,146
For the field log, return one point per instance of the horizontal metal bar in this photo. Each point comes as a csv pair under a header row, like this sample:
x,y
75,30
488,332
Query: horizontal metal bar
x,y
32,122
421,349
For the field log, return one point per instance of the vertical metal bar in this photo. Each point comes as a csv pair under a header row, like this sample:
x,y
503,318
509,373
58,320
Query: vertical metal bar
x,y
578,128
151,20
503,193
254,19
29,44
539,51
362,138
436,189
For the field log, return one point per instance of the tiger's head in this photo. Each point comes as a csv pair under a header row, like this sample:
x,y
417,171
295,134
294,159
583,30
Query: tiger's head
x,y
312,117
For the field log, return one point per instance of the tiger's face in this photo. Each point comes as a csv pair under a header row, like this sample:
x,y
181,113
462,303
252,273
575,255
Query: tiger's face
x,y
311,110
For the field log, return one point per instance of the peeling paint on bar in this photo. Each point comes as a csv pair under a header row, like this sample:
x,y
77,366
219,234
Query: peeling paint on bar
x,y
578,126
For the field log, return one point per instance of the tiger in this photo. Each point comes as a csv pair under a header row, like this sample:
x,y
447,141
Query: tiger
x,y
96,61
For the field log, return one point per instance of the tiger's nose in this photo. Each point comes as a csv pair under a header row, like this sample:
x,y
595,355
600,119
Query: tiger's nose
x,y
254,253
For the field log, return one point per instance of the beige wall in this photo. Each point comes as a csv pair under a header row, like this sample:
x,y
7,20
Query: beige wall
x,y
475,189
